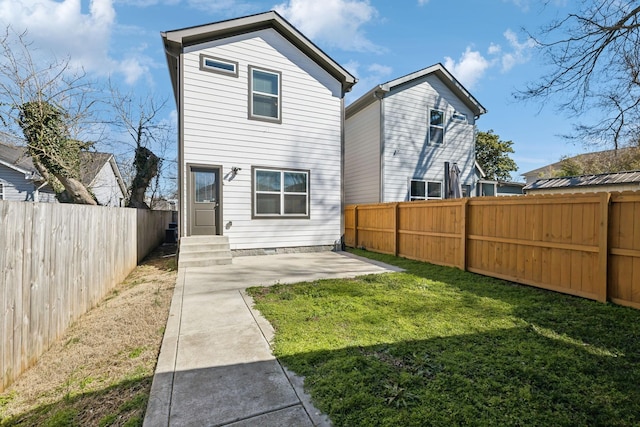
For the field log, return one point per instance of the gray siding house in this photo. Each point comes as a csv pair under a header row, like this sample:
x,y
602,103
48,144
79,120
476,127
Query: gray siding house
x,y
402,138
260,133
20,180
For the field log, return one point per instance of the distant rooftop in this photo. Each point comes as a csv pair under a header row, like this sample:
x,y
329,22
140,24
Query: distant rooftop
x,y
630,177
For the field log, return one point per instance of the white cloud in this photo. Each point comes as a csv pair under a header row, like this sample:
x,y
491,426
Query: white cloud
x,y
520,52
423,2
62,29
335,22
472,65
469,68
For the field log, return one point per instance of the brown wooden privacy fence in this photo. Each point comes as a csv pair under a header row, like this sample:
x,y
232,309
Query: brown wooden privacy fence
x,y
56,262
586,245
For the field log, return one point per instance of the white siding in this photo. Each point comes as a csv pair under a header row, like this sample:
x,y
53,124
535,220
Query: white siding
x,y
407,154
362,156
105,187
216,131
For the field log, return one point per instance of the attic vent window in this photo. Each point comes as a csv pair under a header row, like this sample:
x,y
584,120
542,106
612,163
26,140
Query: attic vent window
x,y
459,117
218,65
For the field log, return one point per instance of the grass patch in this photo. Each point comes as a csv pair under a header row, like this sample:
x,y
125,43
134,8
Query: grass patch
x,y
439,346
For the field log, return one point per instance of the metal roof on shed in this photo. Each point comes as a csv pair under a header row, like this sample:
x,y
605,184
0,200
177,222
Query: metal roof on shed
x,y
630,177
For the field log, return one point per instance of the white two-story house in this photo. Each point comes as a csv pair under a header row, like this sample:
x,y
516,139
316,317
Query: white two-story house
x,y
260,133
404,138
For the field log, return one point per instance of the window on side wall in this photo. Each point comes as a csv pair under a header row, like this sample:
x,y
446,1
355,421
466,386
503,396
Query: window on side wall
x,y
265,95
280,193
218,65
466,190
424,190
436,127
1,191
488,188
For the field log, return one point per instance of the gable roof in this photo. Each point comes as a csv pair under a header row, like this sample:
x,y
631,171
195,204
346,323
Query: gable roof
x,y
618,178
438,70
176,40
17,158
92,162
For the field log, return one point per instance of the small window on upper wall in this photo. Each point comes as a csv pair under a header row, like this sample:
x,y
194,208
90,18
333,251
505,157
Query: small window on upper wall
x,y
459,117
264,95
436,127
218,65
1,191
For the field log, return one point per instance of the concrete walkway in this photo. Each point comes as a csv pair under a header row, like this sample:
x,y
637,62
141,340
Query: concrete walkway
x,y
215,366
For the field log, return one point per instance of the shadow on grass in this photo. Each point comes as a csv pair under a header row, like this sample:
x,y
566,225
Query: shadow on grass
x,y
122,404
503,354
512,377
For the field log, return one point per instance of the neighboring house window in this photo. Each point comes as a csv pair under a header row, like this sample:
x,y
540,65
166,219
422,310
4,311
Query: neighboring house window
x,y
218,65
424,190
436,127
466,190
1,191
487,188
280,193
264,95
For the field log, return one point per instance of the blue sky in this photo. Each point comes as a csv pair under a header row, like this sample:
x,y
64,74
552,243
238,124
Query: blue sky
x,y
481,42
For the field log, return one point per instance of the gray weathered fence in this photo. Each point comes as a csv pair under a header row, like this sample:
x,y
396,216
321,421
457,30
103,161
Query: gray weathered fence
x,y
56,262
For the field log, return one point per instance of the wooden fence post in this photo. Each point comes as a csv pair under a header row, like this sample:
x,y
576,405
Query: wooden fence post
x,y
603,250
355,227
396,233
463,234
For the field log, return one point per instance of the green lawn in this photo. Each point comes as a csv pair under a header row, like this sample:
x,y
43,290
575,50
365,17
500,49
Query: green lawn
x,y
439,346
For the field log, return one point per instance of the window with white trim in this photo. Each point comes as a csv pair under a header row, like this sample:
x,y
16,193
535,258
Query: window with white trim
x,y
436,127
280,193
424,190
487,188
1,191
218,65
264,95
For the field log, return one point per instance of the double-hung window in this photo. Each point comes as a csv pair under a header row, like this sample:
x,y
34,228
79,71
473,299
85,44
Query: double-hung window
x,y
424,190
264,95
280,193
436,127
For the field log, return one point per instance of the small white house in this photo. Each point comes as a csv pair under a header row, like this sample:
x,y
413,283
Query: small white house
x,y
260,133
403,137
99,172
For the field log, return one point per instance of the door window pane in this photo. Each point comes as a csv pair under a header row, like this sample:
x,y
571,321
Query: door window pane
x,y
205,186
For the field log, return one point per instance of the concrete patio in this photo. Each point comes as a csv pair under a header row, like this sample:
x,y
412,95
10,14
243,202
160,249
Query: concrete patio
x,y
215,366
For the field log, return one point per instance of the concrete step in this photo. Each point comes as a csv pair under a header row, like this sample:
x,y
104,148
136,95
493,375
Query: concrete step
x,y
205,262
206,253
199,247
203,251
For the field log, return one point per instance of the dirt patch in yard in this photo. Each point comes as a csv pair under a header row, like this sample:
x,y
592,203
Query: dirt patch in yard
x,y
100,371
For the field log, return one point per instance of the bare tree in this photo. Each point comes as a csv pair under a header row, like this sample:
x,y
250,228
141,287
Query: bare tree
x,y
148,136
594,54
46,105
